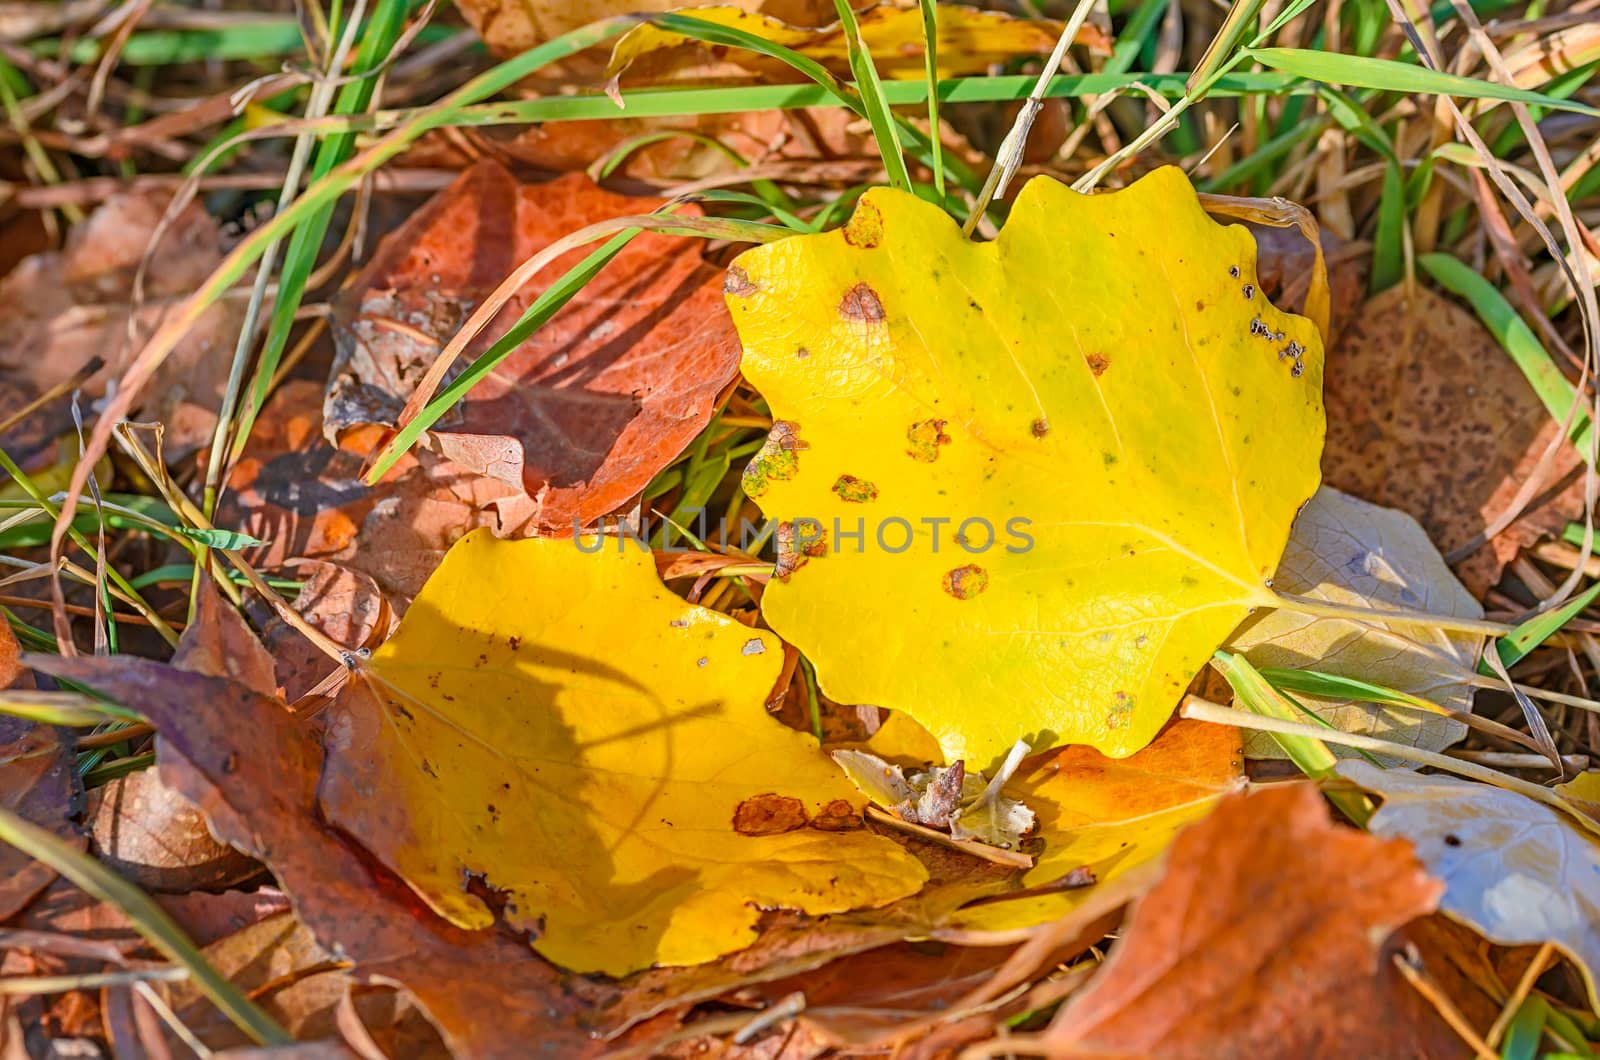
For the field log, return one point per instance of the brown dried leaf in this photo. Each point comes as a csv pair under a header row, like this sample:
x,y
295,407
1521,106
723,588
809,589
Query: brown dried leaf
x,y
306,500
582,415
1250,946
1428,414
300,984
252,768
61,310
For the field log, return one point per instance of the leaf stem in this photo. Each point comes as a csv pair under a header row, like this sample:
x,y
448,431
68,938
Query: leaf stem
x,y
1204,710
1302,605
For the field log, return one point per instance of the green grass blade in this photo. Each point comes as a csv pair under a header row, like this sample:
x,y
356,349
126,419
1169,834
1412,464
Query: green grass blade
x,y
1227,37
1141,26
680,102
884,129
1333,686
1390,75
1526,1030
1518,340
301,258
1516,645
148,919
1388,241
930,54
686,25
73,709
1254,693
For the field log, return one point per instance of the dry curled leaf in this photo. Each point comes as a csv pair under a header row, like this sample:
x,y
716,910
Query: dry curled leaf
x,y
580,416
1345,551
155,838
600,761
1249,946
1428,414
1044,513
967,805
300,984
1516,870
1284,263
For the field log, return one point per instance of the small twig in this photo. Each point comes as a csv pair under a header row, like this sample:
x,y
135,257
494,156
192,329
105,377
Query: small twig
x,y
1203,710
1512,760
1009,157
1010,858
64,984
1530,975
1424,985
788,1007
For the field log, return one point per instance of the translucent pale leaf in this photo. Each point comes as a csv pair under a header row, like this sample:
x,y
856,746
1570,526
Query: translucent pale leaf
x,y
1074,454
555,734
1346,551
1516,870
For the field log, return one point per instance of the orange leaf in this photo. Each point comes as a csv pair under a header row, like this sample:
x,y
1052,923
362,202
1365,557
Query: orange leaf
x,y
1265,939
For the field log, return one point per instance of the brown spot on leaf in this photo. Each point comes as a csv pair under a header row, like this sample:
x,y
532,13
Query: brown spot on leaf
x,y
861,303
769,814
1040,427
865,227
797,546
778,459
926,436
837,816
855,490
1121,711
964,583
1098,363
738,282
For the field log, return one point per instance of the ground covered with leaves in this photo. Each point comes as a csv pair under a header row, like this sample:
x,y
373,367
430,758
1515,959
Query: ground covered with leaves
x,y
785,529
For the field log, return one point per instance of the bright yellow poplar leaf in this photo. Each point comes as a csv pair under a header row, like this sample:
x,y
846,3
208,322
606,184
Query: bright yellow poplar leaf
x,y
554,735
969,40
1025,487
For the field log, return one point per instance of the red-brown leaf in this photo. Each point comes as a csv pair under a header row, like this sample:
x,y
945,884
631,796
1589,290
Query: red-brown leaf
x,y
583,414
1264,938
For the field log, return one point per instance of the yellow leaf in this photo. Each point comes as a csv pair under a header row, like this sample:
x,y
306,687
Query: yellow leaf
x,y
902,741
1111,816
969,40
558,730
1026,487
